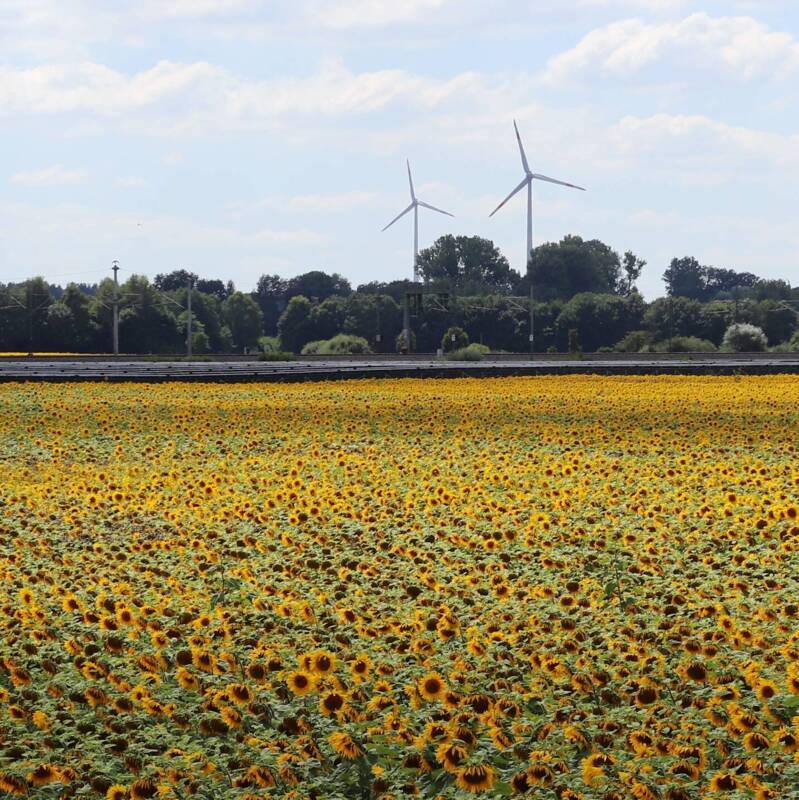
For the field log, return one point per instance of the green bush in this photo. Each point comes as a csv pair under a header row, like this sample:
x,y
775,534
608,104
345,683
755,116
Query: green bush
x,y
634,342
342,344
741,337
276,355
791,346
454,339
399,342
474,352
269,343
684,344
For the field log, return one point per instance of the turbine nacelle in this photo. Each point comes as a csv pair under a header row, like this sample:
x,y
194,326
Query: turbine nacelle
x,y
529,175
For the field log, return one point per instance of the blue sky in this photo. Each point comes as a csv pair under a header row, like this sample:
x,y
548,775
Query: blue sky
x,y
241,137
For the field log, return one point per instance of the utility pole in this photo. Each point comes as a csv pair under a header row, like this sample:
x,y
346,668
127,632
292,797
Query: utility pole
x,y
188,319
532,319
115,269
406,323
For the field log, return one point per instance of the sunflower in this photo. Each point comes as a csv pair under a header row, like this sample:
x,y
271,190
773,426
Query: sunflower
x,y
239,694
451,756
360,668
231,717
117,792
261,776
300,683
13,784
331,703
765,690
432,686
755,741
143,789
723,782
43,774
786,739
344,745
475,779
322,662
187,680
645,696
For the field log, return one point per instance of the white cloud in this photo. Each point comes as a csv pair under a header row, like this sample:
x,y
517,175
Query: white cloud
x,y
740,46
49,176
373,13
697,150
95,89
204,97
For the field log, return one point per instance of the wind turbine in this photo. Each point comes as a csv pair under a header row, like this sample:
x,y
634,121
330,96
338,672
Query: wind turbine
x,y
529,177
414,206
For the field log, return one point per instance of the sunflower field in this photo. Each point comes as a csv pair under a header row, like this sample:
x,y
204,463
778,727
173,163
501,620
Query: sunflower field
x,y
560,587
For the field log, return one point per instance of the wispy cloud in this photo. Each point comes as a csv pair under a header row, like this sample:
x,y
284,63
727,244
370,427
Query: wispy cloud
x,y
49,176
373,13
742,47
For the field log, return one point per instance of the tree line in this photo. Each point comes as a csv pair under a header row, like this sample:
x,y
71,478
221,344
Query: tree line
x,y
584,296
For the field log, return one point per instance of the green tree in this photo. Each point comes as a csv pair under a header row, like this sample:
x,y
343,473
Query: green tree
x,y
573,266
600,320
685,277
467,265
270,294
674,316
631,268
317,286
294,326
244,319
146,324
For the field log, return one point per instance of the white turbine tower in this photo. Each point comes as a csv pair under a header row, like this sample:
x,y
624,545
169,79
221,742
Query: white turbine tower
x,y
529,177
414,206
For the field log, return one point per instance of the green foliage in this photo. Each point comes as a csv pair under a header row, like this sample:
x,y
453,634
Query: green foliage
x,y
744,338
791,346
294,326
634,342
600,320
686,277
269,343
685,344
574,266
401,346
466,265
276,355
474,352
455,338
342,344
244,318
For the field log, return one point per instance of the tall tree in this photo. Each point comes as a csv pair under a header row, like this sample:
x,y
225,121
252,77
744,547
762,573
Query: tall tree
x,y
244,318
573,266
467,265
270,294
317,285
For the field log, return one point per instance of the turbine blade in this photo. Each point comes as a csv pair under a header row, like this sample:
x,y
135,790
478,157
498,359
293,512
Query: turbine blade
x,y
515,191
410,180
560,183
399,216
433,208
521,148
